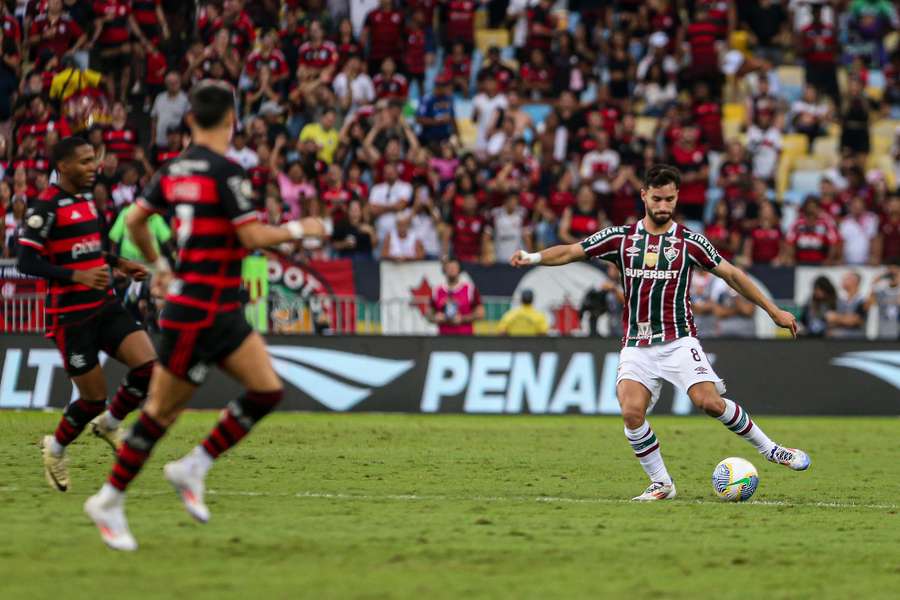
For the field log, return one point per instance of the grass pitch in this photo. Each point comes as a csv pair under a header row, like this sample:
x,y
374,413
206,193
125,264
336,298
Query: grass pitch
x,y
377,506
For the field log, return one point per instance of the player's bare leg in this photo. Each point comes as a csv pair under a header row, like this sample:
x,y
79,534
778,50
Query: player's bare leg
x,y
251,366
90,403
137,353
167,398
705,397
634,398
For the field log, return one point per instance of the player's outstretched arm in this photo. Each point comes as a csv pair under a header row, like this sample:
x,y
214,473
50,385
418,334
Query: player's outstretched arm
x,y
551,257
742,284
258,235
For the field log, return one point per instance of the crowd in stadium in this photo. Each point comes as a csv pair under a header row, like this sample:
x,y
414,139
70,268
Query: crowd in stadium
x,y
428,128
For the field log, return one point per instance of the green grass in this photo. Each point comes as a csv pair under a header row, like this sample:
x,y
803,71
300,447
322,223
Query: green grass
x,y
376,506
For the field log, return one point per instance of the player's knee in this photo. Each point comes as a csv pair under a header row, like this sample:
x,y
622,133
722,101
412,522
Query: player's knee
x,y
138,379
256,405
632,414
709,401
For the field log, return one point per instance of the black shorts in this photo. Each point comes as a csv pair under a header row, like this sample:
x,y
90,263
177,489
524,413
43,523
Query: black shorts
x,y
114,59
80,343
187,353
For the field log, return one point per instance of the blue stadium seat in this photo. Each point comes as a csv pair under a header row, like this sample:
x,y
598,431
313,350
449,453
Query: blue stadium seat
x,y
462,107
806,182
713,196
477,59
537,112
574,19
877,80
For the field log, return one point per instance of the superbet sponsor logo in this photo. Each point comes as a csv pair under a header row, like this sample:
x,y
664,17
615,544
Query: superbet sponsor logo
x,y
650,274
85,247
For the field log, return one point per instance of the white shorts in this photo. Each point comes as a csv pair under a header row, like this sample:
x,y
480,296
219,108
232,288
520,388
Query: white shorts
x,y
681,362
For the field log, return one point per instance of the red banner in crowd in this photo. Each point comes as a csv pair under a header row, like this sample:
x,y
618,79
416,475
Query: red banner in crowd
x,y
315,296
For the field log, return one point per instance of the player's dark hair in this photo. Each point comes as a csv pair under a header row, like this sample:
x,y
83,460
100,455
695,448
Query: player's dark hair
x,y
65,148
210,102
662,175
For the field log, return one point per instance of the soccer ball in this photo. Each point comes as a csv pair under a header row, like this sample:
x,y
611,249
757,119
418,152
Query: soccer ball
x,y
735,479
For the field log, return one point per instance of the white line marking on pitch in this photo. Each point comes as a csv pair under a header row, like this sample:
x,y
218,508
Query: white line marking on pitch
x,y
430,498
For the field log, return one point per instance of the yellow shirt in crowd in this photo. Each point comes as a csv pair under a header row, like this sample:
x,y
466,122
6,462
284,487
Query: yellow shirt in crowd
x,y
523,320
327,140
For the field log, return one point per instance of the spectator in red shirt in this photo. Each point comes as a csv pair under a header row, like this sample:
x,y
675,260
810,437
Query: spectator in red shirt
x,y
388,83
886,246
494,68
722,233
56,31
702,35
734,173
813,238
120,139
468,232
151,19
268,54
416,55
234,19
708,117
583,219
537,76
820,53
541,26
383,35
460,24
40,121
318,56
691,159
114,26
764,245
346,43
458,67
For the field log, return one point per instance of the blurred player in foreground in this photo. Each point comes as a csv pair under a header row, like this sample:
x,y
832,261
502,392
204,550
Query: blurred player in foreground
x,y
202,322
62,242
655,257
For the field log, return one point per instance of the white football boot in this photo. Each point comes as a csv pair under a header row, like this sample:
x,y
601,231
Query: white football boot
x,y
798,460
106,509
657,491
187,479
55,469
101,429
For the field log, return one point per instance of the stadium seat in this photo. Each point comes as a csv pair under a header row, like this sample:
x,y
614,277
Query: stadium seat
x,y
791,77
731,130
806,181
876,79
537,112
468,131
734,112
646,127
462,106
794,144
481,19
875,94
477,59
485,38
827,147
574,19
810,163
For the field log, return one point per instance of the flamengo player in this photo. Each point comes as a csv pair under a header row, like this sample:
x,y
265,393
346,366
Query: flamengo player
x,y
61,242
202,322
656,256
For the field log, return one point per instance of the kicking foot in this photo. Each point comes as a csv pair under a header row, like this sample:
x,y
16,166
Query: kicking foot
x,y
107,511
187,480
792,458
55,469
111,435
657,491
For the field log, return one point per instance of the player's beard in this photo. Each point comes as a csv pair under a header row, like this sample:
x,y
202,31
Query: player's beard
x,y
659,218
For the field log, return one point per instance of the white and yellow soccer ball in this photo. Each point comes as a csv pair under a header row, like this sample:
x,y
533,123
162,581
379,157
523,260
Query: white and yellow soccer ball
x,y
735,479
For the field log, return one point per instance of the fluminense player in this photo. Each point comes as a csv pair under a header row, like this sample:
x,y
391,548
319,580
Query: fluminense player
x,y
656,256
202,323
62,242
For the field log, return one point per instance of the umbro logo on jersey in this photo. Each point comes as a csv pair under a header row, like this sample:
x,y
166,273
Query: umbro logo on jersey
x,y
631,251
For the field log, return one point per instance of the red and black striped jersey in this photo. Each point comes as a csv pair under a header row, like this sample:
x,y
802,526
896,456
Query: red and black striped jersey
x,y
275,60
58,35
116,30
656,276
11,29
318,57
39,128
66,229
210,197
121,142
163,155
145,12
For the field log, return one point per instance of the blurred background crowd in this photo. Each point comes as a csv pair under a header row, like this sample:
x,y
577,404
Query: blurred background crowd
x,y
429,128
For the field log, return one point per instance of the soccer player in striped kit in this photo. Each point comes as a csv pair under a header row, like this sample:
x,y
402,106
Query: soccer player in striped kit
x,y
656,256
62,241
202,323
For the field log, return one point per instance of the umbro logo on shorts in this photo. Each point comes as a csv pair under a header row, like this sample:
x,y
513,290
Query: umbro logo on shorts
x,y
701,370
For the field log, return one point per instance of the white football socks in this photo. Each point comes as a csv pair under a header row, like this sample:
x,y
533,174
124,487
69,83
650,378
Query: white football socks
x,y
646,449
738,420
